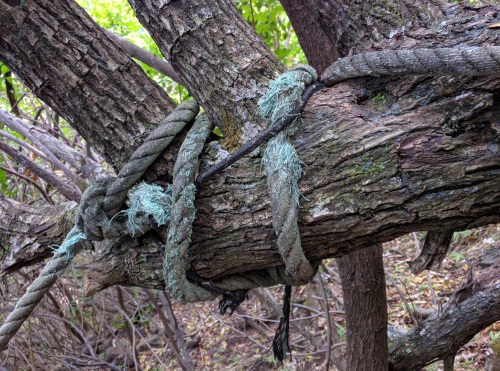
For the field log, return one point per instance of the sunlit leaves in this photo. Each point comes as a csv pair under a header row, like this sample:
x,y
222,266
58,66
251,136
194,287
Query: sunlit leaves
x,y
270,21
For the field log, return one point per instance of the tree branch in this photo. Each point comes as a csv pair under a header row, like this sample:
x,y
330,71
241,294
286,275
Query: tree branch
x,y
69,192
144,56
30,231
446,334
19,126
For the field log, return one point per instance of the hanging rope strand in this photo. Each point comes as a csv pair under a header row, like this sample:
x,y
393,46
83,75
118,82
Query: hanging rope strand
x,y
62,258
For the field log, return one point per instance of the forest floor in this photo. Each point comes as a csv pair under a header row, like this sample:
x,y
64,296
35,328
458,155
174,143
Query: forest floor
x,y
243,340
68,331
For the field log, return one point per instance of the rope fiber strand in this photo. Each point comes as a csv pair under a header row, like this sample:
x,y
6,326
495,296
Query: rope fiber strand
x,y
284,169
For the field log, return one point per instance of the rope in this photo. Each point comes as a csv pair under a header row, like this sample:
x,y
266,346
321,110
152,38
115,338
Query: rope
x,y
183,214
62,258
263,137
467,61
147,153
92,222
283,170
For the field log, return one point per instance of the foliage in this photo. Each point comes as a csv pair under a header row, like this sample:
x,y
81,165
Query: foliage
x,y
266,16
270,21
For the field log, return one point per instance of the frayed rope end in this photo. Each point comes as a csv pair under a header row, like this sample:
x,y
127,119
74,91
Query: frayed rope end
x,y
148,200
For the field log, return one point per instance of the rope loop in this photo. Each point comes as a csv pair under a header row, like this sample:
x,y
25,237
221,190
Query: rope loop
x,y
284,169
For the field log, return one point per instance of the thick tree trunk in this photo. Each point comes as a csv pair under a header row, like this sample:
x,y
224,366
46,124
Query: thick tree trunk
x,y
71,64
384,156
365,303
370,177
225,64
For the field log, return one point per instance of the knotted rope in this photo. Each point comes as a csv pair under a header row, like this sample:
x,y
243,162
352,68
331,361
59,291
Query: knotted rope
x,y
92,222
283,167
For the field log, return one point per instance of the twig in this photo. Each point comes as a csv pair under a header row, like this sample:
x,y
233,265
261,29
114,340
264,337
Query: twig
x,y
328,321
263,137
25,178
176,339
67,191
144,56
338,345
23,144
320,314
242,333
75,329
401,294
128,326
19,126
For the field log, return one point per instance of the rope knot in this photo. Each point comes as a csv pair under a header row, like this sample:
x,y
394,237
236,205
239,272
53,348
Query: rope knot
x,y
148,207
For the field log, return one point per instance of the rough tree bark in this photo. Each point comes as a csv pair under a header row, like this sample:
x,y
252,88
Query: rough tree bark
x,y
78,70
227,71
384,156
362,272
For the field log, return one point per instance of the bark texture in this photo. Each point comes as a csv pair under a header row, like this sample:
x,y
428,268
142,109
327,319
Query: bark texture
x,y
71,64
30,231
225,64
328,30
383,156
370,177
365,303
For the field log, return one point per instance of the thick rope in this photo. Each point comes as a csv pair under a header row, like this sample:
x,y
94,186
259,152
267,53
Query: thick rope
x,y
183,213
467,61
147,153
283,169
62,258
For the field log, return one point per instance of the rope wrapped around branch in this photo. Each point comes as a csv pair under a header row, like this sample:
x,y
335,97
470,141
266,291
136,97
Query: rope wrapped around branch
x,y
466,61
284,169
92,222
